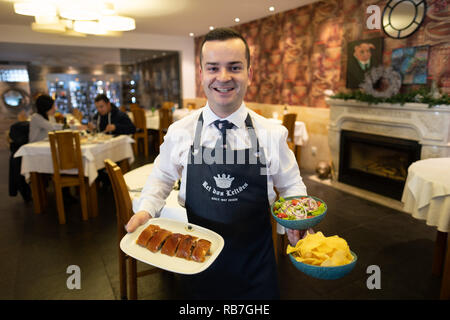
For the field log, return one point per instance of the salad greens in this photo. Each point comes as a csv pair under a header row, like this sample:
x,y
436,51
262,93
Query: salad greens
x,y
298,208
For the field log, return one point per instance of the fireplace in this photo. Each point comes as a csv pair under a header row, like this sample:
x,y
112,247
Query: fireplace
x,y
376,163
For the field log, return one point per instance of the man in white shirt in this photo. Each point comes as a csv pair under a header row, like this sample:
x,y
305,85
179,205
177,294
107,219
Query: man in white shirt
x,y
229,159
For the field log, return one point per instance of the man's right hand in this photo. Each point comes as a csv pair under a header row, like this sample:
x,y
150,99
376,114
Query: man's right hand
x,y
138,219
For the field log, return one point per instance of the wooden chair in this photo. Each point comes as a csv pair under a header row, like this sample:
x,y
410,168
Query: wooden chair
x,y
141,130
165,120
124,211
66,154
289,122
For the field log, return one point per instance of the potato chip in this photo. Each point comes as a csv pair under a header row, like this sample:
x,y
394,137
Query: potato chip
x,y
316,249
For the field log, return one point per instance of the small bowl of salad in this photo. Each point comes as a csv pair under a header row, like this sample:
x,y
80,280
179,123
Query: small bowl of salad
x,y
299,212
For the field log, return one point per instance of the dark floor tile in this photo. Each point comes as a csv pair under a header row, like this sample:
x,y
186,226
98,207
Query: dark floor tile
x,y
36,251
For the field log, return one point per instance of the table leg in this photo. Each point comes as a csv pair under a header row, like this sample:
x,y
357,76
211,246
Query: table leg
x,y
445,286
93,200
36,193
439,253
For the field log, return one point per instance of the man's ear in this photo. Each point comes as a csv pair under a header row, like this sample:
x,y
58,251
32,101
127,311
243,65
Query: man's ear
x,y
250,75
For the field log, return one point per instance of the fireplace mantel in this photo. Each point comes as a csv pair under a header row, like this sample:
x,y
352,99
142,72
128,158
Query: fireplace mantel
x,y
412,121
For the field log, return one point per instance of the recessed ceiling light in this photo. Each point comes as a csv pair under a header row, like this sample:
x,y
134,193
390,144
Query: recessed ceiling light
x,y
211,28
191,34
237,19
271,8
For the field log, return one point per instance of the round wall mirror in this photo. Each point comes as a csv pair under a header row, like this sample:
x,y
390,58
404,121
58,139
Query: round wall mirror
x,y
401,18
15,98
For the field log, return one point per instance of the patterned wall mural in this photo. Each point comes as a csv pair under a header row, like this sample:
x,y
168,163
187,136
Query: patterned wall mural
x,y
298,54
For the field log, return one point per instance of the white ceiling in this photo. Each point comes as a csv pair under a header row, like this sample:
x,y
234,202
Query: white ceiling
x,y
178,17
166,17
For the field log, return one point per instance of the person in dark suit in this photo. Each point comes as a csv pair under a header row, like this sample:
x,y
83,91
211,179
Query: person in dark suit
x,y
109,119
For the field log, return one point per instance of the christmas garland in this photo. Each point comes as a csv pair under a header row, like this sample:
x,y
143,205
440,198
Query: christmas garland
x,y
422,95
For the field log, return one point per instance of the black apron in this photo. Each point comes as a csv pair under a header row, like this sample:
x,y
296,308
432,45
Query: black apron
x,y
230,197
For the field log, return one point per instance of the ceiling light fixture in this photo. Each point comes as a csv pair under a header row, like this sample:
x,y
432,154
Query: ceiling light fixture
x,y
237,19
191,34
76,18
271,8
34,8
211,28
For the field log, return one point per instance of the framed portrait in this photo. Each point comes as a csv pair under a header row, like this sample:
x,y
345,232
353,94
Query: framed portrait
x,y
362,55
411,63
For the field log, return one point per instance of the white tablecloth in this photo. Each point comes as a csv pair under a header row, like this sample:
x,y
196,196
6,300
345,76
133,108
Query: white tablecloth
x,y
427,192
180,113
152,118
37,157
135,180
300,133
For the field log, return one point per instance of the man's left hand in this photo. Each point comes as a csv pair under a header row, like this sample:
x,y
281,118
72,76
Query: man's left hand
x,y
295,235
110,128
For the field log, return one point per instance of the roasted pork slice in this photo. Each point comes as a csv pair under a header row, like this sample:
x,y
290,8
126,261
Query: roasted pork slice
x,y
146,235
158,239
171,244
201,250
185,247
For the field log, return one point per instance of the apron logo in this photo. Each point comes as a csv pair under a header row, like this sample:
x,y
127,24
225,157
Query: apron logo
x,y
223,182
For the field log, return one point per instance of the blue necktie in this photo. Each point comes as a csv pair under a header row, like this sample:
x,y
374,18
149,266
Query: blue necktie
x,y
223,126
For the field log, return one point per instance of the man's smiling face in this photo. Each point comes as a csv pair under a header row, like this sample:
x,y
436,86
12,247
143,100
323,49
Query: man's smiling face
x,y
225,74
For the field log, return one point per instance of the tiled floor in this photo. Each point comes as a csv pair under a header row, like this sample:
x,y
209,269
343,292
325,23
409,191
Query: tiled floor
x,y
35,252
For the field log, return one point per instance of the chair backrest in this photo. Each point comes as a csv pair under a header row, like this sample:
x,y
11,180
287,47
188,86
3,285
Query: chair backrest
x,y
134,106
191,105
18,135
289,122
124,208
168,105
165,118
66,151
139,118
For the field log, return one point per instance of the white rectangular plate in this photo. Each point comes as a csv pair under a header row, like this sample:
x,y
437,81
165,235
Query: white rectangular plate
x,y
174,264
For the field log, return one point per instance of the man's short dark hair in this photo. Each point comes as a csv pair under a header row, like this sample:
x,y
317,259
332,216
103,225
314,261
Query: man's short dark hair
x,y
222,34
101,97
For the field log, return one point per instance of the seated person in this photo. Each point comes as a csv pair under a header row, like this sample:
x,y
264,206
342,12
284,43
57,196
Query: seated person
x,y
109,119
39,122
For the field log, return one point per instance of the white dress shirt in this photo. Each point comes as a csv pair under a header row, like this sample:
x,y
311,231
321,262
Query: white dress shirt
x,y
171,163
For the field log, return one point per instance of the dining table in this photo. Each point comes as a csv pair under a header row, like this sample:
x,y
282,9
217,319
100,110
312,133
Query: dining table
x,y
37,161
135,181
152,117
300,132
426,196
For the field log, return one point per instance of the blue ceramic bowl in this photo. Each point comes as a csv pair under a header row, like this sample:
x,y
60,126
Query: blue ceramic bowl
x,y
300,224
325,273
